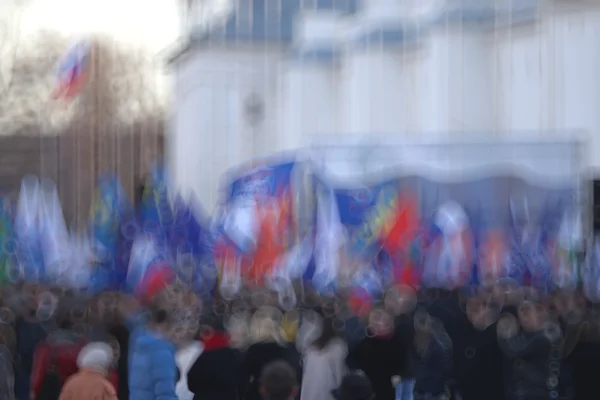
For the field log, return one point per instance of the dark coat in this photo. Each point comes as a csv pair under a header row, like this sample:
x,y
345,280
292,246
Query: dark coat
x,y
380,358
434,366
478,364
585,360
260,355
217,374
527,358
121,333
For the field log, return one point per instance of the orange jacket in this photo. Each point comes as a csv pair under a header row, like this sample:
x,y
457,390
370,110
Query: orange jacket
x,y
88,385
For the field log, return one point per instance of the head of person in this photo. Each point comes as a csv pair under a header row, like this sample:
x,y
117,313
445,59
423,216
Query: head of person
x,y
212,333
327,334
95,356
159,315
355,386
237,328
532,315
265,326
380,323
278,381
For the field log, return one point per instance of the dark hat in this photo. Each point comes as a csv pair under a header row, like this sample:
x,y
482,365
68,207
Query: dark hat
x,y
355,386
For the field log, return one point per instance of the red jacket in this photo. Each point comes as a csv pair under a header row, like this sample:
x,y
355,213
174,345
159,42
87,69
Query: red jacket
x,y
65,360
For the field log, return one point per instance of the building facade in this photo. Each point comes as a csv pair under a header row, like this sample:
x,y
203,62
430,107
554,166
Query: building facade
x,y
406,79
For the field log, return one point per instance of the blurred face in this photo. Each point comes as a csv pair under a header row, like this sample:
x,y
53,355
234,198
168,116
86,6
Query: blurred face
x,y
475,309
532,316
380,322
400,300
569,306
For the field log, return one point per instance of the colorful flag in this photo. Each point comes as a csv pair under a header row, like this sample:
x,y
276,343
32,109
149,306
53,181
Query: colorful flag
x,y
330,241
7,240
109,212
72,72
54,236
258,227
28,248
156,208
149,267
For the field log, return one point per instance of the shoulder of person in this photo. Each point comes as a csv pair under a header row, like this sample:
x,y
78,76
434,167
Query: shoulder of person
x,y
339,346
109,390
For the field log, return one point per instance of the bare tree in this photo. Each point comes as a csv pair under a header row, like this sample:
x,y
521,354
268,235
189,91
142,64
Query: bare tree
x,y
119,100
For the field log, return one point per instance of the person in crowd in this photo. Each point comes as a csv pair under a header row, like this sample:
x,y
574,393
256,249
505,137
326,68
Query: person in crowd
x,y
7,376
121,335
268,345
434,353
290,324
29,333
401,302
217,373
324,363
527,341
381,355
478,360
278,381
55,360
581,345
91,383
151,360
354,386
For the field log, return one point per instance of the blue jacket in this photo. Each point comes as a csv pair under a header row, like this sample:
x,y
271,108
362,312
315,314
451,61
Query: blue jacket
x,y
152,367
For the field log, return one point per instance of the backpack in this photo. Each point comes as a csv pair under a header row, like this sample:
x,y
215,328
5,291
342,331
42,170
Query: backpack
x,y
51,385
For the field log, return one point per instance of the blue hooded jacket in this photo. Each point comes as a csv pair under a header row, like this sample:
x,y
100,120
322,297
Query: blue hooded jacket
x,y
152,367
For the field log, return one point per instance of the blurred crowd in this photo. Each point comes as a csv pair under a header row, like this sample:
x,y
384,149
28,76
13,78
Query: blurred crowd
x,y
500,342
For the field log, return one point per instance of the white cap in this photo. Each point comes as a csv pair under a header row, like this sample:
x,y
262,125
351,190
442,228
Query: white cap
x,y
96,355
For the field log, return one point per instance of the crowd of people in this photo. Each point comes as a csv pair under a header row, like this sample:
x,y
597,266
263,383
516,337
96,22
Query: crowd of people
x,y
502,342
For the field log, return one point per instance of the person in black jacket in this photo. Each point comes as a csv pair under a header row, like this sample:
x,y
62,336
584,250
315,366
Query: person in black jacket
x,y
528,341
478,360
268,345
381,355
434,352
217,373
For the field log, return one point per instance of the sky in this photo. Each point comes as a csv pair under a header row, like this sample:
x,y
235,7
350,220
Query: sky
x,y
150,24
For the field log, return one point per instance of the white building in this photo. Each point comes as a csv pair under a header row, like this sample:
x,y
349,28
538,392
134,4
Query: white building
x,y
281,74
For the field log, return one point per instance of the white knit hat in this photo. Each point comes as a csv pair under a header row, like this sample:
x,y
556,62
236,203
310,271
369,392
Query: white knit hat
x,y
96,355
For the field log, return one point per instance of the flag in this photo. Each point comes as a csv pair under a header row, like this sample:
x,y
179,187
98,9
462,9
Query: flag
x,y
187,243
156,208
329,241
493,258
401,225
28,249
7,241
258,223
54,236
110,210
149,267
72,72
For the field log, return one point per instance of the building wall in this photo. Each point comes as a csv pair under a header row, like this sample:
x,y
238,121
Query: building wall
x,y
214,126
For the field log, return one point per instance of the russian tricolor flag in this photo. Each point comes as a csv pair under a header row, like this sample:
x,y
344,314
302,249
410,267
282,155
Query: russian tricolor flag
x,y
73,70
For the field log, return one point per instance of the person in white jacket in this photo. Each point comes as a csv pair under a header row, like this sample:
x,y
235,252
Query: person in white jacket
x,y
324,364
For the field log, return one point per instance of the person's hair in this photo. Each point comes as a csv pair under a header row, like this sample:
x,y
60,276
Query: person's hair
x,y
158,314
328,333
95,355
208,325
278,381
65,323
264,328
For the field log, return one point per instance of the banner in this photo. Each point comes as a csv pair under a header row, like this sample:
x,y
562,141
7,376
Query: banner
x,y
258,223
